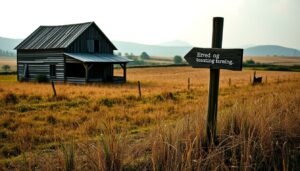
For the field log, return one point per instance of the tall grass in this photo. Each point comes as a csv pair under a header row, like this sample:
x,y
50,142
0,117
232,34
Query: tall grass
x,y
257,133
107,127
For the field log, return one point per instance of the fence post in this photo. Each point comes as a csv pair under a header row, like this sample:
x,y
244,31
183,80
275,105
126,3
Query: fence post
x,y
139,88
229,82
53,88
189,84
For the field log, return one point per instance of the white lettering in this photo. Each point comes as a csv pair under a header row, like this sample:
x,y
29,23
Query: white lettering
x,y
203,55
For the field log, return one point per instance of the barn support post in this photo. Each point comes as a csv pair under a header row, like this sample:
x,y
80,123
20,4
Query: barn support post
x,y
87,67
124,71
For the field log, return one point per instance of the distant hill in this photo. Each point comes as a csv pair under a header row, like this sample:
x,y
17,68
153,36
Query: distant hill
x,y
271,50
8,44
176,43
152,50
170,49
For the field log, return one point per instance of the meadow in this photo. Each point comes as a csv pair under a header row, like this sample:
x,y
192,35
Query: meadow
x,y
109,127
275,60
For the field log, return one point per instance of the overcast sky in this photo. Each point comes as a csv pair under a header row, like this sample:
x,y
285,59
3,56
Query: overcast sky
x,y
247,22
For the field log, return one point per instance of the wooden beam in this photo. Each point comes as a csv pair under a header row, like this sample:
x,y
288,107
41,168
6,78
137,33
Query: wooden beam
x,y
86,67
124,71
90,66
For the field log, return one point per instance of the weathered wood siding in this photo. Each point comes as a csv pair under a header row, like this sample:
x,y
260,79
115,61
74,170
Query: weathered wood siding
x,y
38,63
75,80
80,45
71,60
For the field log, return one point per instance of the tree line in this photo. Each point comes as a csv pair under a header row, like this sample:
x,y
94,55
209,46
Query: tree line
x,y
145,56
7,53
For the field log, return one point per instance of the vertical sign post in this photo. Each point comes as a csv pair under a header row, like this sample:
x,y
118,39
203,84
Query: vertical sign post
x,y
215,58
214,82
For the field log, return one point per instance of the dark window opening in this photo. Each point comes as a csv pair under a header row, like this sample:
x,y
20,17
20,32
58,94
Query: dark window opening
x,y
52,70
96,46
75,70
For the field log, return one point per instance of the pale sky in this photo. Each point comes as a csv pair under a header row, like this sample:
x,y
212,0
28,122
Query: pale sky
x,y
246,22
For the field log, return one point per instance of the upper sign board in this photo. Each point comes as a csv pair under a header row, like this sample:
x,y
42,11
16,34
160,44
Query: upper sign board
x,y
215,58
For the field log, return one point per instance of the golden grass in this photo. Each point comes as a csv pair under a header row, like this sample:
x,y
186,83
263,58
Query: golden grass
x,y
275,60
11,61
107,127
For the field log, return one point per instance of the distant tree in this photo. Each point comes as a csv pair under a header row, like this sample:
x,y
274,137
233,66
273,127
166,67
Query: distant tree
x,y
130,56
126,54
177,59
144,55
250,62
5,68
119,54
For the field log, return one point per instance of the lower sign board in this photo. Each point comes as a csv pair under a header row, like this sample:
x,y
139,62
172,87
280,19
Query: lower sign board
x,y
215,58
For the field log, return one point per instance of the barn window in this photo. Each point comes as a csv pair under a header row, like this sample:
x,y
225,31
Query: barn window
x,y
96,45
52,70
90,46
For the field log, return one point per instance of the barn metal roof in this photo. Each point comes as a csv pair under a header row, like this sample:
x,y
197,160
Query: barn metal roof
x,y
56,37
98,57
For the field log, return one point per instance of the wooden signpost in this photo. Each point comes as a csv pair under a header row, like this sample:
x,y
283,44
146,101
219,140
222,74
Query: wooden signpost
x,y
215,58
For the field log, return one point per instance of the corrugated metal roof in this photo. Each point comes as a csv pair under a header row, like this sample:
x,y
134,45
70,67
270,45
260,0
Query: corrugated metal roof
x,y
55,37
98,57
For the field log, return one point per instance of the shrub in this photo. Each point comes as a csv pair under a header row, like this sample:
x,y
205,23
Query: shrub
x,y
177,59
3,134
107,102
5,68
144,55
250,62
10,98
41,79
35,98
51,120
23,108
22,79
8,151
58,98
159,98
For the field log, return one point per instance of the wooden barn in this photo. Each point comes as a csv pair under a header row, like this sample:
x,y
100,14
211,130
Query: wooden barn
x,y
75,53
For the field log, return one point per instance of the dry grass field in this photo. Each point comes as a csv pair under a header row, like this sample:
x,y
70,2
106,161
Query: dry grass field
x,y
108,127
11,61
275,60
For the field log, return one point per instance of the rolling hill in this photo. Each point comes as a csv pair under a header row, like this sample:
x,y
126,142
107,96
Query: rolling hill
x,y
172,48
271,50
8,44
152,50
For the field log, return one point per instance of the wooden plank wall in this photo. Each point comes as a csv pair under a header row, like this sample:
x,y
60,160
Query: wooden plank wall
x,y
39,64
75,80
80,44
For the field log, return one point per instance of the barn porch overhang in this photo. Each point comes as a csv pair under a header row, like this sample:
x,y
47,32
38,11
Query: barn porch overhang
x,y
89,60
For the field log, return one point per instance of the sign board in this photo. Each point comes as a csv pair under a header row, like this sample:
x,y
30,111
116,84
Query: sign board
x,y
215,58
